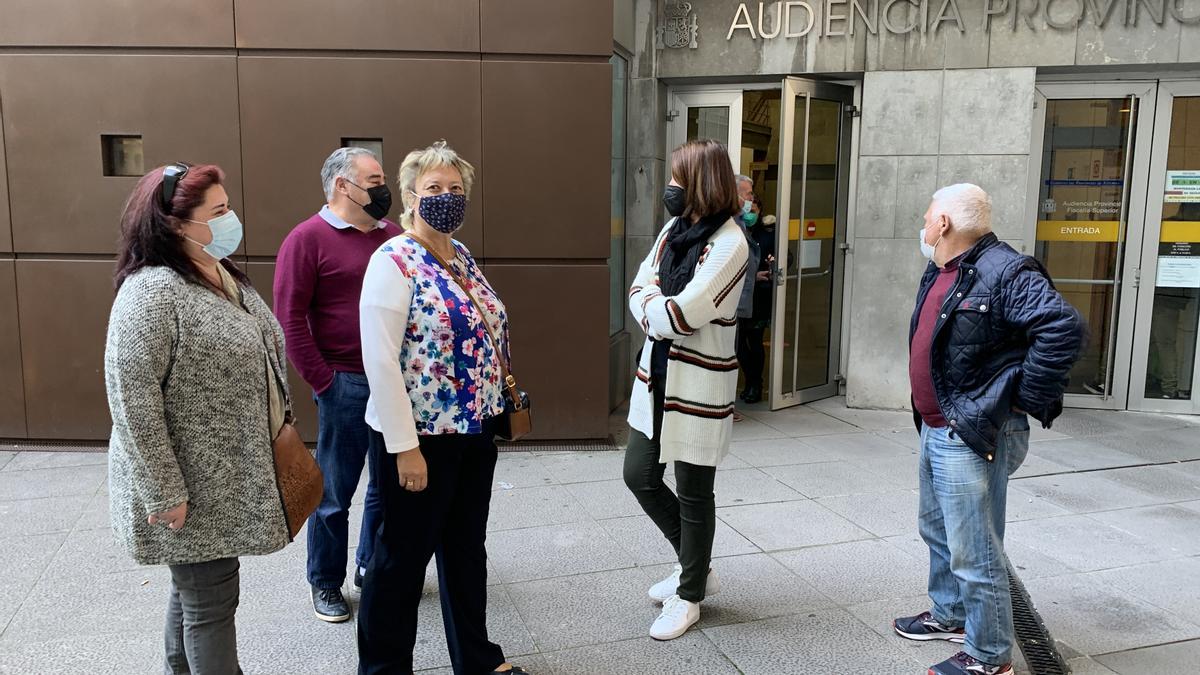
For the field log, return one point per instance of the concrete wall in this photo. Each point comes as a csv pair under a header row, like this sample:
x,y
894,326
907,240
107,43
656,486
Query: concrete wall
x,y
920,131
647,152
1009,42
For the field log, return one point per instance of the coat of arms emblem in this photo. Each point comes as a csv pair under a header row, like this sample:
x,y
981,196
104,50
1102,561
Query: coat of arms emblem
x,y
679,28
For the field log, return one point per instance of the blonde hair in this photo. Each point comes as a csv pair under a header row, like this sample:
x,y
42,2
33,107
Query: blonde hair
x,y
420,162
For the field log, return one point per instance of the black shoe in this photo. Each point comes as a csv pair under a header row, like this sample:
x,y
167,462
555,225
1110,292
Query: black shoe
x,y
1096,387
515,670
924,627
752,394
358,578
330,605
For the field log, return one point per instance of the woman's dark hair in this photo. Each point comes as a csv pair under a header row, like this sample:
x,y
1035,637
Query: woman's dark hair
x,y
757,201
703,169
150,237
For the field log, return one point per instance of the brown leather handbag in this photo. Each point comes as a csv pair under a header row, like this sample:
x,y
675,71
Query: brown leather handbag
x,y
516,422
301,483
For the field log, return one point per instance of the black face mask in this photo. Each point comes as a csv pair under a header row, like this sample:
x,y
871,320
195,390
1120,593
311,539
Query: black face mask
x,y
381,201
674,199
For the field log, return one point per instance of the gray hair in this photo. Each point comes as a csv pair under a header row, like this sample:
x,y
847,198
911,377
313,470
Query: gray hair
x,y
742,178
341,165
967,206
422,161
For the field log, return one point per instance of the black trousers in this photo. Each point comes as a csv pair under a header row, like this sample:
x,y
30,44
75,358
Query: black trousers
x,y
687,520
750,351
448,518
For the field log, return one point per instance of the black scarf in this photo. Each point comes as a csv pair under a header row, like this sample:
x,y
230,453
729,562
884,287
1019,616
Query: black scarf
x,y
685,244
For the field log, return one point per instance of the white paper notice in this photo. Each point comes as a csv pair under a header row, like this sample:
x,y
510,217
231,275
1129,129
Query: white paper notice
x,y
810,253
1182,187
1178,272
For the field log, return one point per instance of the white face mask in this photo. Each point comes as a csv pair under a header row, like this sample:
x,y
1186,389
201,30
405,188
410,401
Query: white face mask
x,y
926,249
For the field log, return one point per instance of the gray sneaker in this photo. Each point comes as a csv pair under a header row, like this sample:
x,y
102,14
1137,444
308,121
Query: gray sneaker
x,y
330,605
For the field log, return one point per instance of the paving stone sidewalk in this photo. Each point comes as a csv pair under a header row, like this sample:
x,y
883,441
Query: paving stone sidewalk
x,y
816,544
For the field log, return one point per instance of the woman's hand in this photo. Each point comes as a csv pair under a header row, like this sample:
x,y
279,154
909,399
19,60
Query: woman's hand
x,y
172,518
414,474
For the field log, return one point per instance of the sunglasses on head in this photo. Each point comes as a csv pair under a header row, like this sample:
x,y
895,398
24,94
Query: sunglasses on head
x,y
171,177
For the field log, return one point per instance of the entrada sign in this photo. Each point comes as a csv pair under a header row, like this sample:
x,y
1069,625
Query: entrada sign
x,y
834,18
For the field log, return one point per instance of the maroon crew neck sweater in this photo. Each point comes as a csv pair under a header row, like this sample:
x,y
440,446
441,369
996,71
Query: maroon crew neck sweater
x,y
318,281
920,370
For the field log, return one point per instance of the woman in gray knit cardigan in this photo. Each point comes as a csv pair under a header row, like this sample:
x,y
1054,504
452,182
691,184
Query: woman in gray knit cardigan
x,y
195,371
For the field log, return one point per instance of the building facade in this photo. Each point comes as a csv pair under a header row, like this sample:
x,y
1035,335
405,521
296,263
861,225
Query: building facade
x,y
93,94
1080,117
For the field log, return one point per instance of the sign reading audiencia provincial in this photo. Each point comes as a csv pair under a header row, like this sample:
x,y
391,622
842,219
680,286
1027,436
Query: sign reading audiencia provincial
x,y
836,18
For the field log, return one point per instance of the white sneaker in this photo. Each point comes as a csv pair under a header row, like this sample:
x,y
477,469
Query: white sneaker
x,y
677,616
667,587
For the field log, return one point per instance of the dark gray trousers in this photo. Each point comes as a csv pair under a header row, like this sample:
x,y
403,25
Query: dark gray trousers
x,y
200,635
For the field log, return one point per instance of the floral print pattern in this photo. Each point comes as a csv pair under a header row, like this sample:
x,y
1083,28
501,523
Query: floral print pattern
x,y
451,368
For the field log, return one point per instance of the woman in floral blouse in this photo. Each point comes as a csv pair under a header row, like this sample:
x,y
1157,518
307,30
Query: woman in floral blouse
x,y
435,393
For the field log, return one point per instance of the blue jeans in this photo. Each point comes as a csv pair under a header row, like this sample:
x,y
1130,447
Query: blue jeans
x,y
963,500
342,441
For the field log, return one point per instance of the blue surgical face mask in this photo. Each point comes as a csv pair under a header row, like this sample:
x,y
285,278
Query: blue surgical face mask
x,y
226,235
747,206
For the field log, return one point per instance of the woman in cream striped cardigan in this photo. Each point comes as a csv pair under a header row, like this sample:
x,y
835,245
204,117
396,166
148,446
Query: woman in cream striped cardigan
x,y
685,297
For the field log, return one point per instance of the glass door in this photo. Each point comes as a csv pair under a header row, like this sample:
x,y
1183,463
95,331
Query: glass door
x,y
814,154
793,143
1168,312
1093,153
714,113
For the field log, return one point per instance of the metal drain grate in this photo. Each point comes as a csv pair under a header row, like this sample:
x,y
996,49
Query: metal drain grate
x,y
559,446
53,446
1039,649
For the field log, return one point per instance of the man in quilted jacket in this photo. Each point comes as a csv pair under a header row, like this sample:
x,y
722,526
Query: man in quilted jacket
x,y
990,344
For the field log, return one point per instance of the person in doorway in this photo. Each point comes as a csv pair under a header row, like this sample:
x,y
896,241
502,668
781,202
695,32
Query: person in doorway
x,y
752,324
991,343
318,281
745,218
436,392
685,297
197,389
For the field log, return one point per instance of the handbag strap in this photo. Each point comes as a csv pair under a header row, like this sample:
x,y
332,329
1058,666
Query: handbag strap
x,y
289,416
510,383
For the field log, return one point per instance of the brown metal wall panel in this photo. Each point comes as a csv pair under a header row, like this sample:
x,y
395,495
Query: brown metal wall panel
x,y
116,23
399,25
12,389
559,326
262,275
548,159
547,26
293,117
64,307
5,223
57,106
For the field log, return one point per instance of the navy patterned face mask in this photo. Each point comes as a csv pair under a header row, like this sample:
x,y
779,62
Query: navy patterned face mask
x,y
444,212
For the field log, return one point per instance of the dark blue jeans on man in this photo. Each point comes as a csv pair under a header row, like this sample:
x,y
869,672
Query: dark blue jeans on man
x,y
342,442
963,499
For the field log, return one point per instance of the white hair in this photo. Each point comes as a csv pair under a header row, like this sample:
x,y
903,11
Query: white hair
x,y
742,178
967,206
341,165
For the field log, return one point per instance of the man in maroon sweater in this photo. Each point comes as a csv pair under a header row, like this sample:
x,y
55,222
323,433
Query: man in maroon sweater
x,y
318,280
